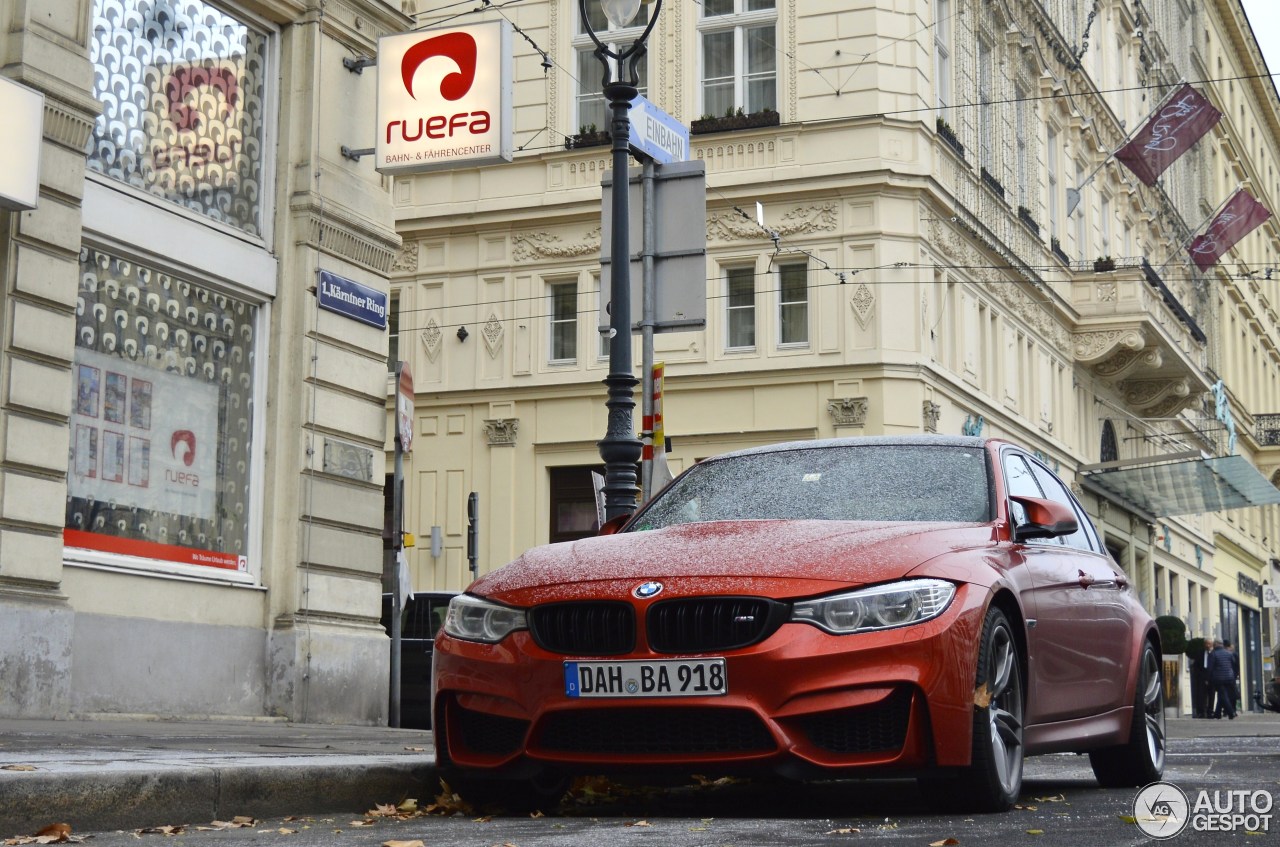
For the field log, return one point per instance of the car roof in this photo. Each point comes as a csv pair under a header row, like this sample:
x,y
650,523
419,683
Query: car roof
x,y
866,441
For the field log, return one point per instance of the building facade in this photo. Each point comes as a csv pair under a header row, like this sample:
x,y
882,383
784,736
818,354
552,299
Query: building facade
x,y
190,449
920,266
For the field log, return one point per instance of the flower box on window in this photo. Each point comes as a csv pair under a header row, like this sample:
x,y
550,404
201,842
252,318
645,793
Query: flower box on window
x,y
991,182
1056,246
736,121
1102,264
1024,215
947,134
588,136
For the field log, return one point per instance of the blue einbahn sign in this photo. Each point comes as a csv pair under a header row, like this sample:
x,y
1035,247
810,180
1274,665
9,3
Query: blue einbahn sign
x,y
356,301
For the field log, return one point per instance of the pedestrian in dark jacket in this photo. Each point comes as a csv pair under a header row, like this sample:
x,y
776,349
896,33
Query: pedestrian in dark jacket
x,y
1222,676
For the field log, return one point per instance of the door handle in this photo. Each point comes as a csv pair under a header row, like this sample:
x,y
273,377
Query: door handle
x,y
1085,580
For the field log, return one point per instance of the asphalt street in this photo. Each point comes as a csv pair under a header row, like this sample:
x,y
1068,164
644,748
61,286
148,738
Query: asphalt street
x,y
1061,805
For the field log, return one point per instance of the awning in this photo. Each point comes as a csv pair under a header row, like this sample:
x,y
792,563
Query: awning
x,y
1183,485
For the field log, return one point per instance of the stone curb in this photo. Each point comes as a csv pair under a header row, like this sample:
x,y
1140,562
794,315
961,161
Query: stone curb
x,y
135,796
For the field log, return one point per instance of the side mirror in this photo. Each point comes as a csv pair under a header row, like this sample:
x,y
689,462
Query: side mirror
x,y
611,526
1045,519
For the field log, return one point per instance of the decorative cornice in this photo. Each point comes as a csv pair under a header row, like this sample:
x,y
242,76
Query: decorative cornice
x,y
1145,394
732,226
66,127
1121,363
345,236
849,411
501,432
1099,345
530,246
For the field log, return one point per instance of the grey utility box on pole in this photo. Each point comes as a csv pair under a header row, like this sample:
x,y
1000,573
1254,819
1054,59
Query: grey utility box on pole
x,y
679,250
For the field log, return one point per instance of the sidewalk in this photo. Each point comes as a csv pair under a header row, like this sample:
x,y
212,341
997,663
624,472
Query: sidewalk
x,y
127,774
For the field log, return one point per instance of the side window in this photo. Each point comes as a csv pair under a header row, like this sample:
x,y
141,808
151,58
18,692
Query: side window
x,y
1019,480
1055,490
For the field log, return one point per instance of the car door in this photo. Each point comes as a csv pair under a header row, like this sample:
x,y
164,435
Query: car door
x,y
1079,641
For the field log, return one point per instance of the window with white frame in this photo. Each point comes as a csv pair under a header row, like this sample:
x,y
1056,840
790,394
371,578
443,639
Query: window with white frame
x,y
740,308
942,54
593,111
986,108
602,338
1021,125
793,305
1104,225
739,56
183,87
564,321
1052,159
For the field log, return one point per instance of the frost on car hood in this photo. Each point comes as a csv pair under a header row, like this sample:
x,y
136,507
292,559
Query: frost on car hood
x,y
727,554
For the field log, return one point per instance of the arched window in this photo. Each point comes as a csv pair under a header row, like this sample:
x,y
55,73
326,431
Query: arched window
x,y
1109,450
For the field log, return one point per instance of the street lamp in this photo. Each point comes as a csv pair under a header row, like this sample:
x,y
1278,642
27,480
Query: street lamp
x,y
620,449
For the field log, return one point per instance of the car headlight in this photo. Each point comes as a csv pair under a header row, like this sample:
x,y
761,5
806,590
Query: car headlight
x,y
880,607
473,619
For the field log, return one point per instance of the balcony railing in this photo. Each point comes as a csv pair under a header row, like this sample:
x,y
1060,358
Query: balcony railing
x,y
1268,428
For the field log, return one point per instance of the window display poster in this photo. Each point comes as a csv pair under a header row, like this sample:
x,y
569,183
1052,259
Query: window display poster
x,y
152,443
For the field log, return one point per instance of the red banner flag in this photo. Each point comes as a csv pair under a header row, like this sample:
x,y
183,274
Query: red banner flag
x,y
1168,133
1239,217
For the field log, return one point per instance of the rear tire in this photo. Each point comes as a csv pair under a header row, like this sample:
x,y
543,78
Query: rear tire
x,y
993,779
1140,760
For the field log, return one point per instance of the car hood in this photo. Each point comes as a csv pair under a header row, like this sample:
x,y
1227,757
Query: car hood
x,y
773,558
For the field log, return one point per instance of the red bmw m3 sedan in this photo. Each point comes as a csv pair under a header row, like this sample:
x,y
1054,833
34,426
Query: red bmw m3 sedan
x,y
927,606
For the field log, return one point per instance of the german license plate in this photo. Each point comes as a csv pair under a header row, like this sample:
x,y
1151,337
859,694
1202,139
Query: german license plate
x,y
640,678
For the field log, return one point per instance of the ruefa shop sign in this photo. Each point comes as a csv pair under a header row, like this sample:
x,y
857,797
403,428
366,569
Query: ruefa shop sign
x,y
444,98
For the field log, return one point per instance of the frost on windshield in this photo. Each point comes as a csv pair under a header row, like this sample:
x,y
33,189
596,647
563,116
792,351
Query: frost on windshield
x,y
846,483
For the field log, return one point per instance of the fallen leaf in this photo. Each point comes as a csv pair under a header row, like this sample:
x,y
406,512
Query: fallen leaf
x,y
1127,818
238,822
1026,808
1057,798
383,810
640,823
482,819
537,813
698,828
982,697
414,843
847,830
946,842
365,822
416,749
1035,832
166,830
59,831
18,768
449,802
286,831
408,807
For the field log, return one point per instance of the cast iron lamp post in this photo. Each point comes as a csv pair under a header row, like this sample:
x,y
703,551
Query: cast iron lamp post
x,y
620,449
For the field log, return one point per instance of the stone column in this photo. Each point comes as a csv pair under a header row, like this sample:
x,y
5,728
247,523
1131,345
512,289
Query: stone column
x,y
45,49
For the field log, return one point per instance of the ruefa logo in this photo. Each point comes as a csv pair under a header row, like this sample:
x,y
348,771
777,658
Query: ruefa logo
x,y
183,445
458,46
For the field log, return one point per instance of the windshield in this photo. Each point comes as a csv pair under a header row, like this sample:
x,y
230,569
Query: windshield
x,y
894,482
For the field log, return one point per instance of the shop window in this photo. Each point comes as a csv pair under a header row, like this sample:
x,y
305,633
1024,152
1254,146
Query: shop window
x,y
182,85
573,504
161,421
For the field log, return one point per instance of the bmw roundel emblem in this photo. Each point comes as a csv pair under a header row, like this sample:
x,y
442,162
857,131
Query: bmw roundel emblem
x,y
645,590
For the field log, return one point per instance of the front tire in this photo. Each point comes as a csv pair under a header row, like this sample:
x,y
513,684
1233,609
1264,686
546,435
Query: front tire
x,y
1140,760
993,779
